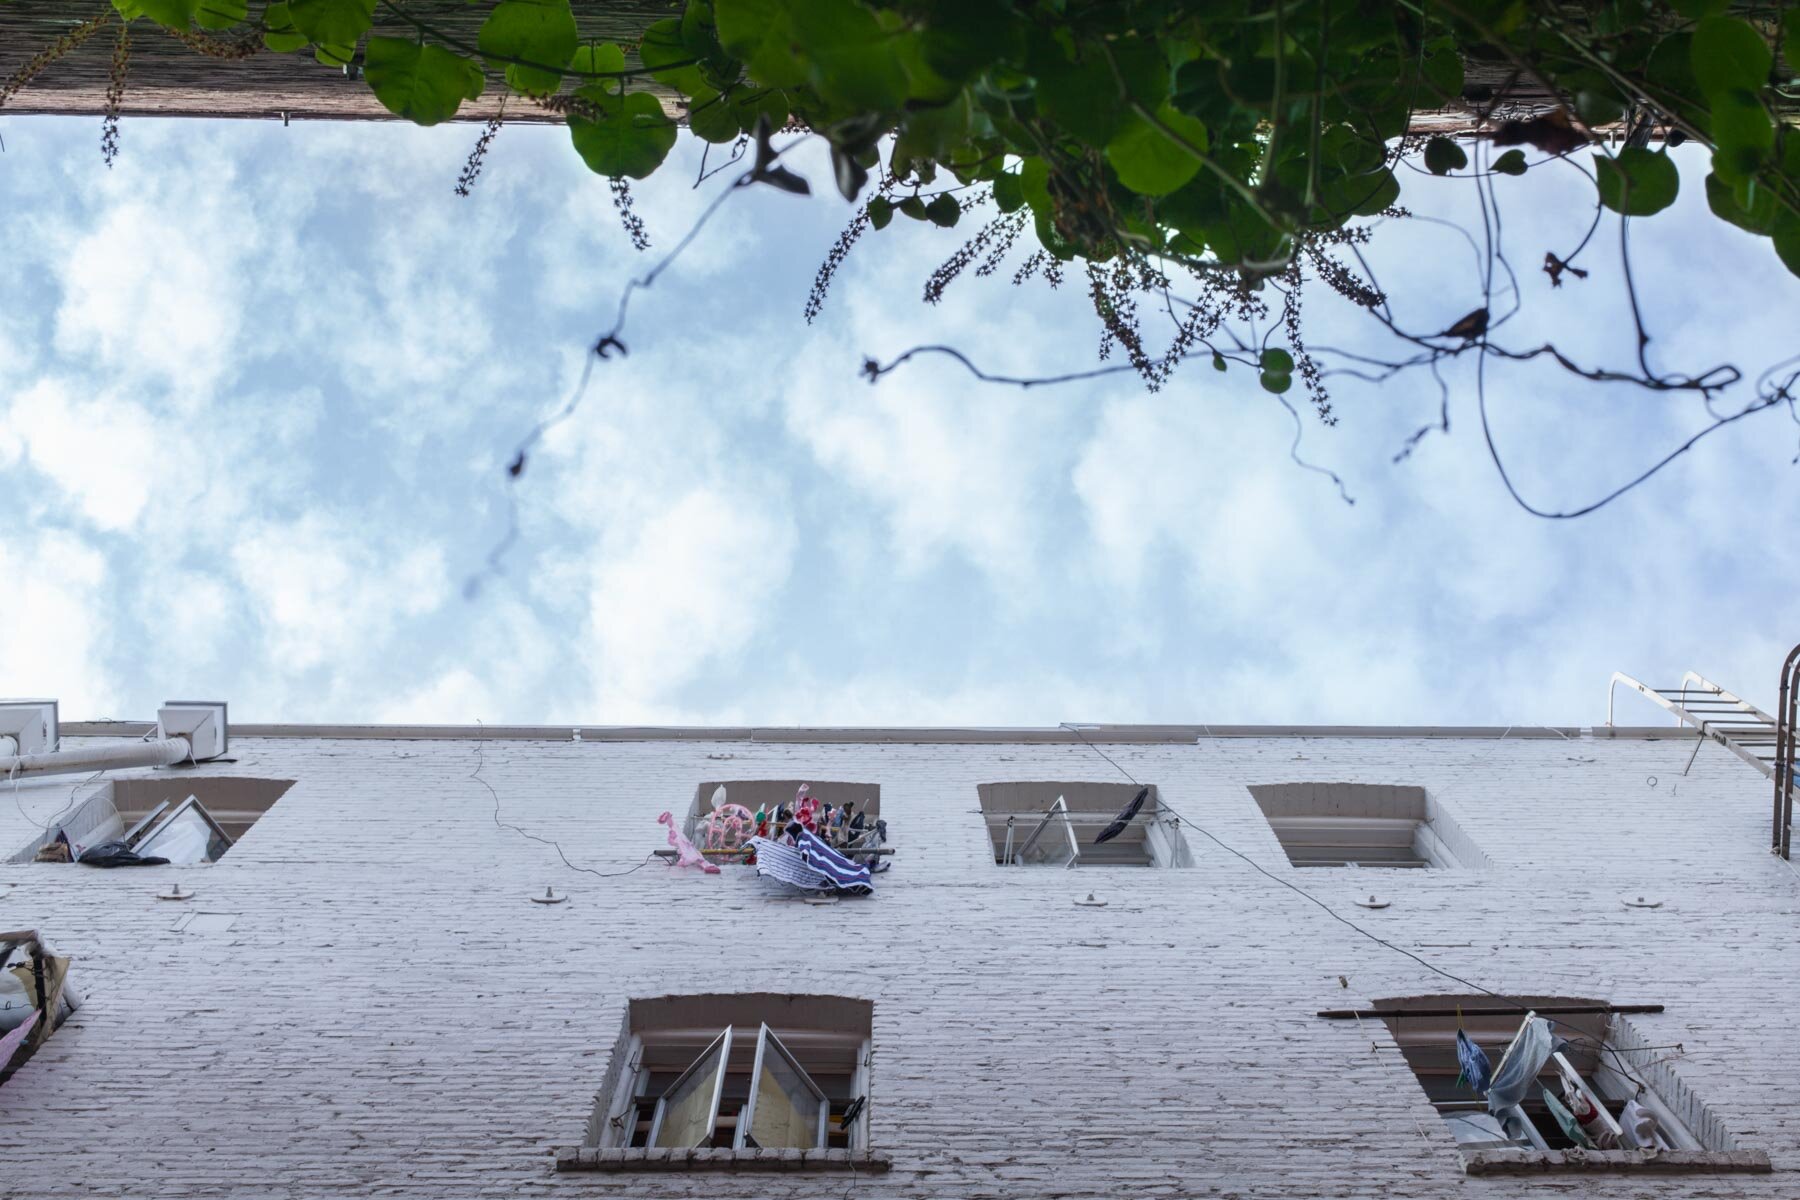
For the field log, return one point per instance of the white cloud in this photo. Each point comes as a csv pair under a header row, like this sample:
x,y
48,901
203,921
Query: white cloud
x,y
105,454
57,605
692,585
153,292
329,592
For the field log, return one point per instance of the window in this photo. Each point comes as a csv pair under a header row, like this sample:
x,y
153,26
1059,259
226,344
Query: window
x,y
1363,825
185,820
1566,1075
723,814
738,1075
1055,824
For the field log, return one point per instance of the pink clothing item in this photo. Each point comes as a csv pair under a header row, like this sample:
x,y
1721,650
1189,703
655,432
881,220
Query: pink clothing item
x,y
9,1045
686,855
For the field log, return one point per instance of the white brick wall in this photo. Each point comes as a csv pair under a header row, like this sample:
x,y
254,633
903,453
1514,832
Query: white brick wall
x,y
389,1015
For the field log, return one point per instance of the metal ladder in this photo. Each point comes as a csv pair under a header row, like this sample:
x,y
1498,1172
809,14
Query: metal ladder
x,y
1763,741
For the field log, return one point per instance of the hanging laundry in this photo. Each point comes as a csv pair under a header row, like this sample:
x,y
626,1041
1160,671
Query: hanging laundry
x,y
1477,1072
1587,1114
686,855
1566,1120
845,876
811,866
1124,818
1531,1048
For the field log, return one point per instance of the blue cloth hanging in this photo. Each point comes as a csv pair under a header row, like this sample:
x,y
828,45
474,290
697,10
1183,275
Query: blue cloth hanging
x,y
1477,1073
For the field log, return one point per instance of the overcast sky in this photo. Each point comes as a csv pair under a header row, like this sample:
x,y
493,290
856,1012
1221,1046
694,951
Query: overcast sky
x,y
258,387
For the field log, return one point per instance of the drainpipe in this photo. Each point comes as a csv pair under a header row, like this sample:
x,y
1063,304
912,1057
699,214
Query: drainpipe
x,y
164,752
186,732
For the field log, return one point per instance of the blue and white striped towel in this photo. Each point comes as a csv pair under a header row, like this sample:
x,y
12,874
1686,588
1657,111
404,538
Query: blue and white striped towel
x,y
845,876
811,866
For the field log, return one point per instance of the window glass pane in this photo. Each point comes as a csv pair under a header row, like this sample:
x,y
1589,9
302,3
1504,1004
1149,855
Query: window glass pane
x,y
787,1103
690,1106
187,836
1052,843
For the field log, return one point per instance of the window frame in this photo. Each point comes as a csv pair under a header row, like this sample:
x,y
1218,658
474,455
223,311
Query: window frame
x,y
765,1039
1058,808
721,1044
143,845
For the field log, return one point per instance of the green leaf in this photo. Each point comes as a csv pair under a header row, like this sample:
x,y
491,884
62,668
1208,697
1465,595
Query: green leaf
x,y
670,61
334,56
1277,361
173,14
1276,381
332,22
1009,193
1743,134
1444,72
761,33
1511,163
1218,362
281,37
424,84
881,211
965,36
1728,54
1790,39
711,118
221,14
592,60
1149,160
1638,182
755,105
1598,108
632,139
943,210
1787,240
542,32
1695,9
1757,217
1443,156
913,207
1034,181
852,59
1083,98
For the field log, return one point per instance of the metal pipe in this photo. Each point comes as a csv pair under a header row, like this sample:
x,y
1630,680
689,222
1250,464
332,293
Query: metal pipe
x,y
1784,755
108,756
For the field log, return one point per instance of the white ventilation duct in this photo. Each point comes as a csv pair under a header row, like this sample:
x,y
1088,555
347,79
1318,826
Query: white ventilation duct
x,y
186,731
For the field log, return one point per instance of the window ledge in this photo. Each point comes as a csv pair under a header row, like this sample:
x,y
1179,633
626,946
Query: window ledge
x,y
1664,1162
595,1158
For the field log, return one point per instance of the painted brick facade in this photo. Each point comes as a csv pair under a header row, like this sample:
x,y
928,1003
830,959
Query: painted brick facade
x,y
388,1014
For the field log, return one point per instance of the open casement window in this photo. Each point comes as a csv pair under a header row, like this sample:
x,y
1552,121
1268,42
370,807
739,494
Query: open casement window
x,y
1050,843
786,1108
185,835
185,820
688,1113
738,1072
1056,823
1594,1087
